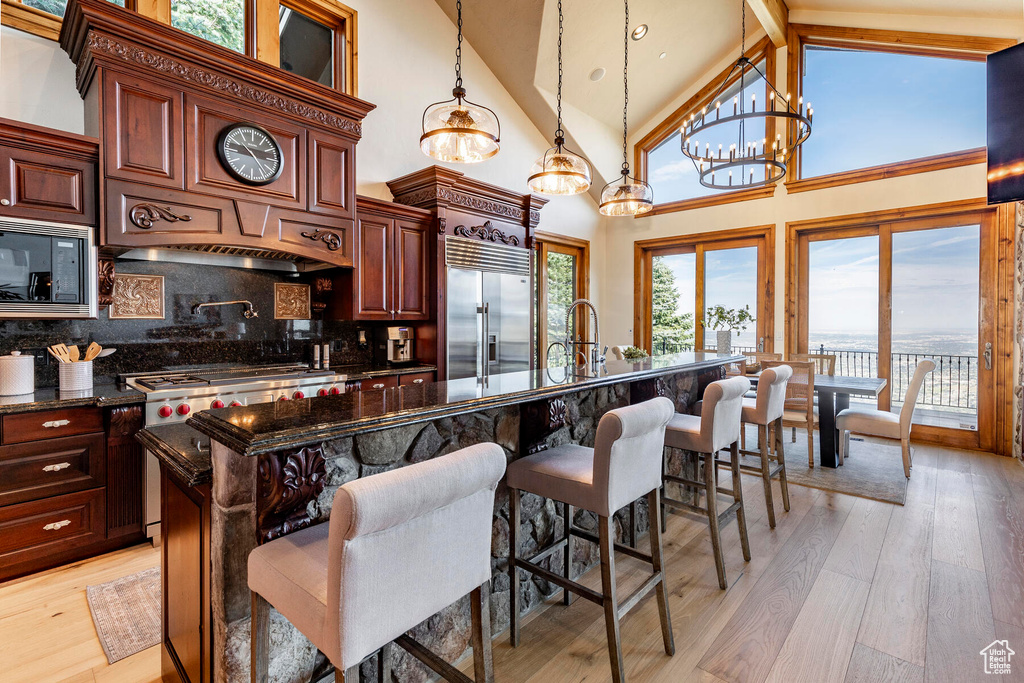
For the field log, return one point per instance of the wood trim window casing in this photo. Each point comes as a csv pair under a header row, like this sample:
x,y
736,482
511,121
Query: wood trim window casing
x,y
545,243
881,40
997,433
761,50
262,41
761,236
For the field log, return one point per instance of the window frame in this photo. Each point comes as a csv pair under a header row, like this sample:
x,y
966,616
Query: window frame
x,y
762,50
262,41
545,243
894,42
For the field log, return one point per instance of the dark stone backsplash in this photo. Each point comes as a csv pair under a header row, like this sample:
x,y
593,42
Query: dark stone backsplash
x,y
215,335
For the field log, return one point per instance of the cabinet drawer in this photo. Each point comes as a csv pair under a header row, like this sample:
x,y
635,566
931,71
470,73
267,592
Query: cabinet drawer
x,y
49,424
29,532
48,468
415,378
385,382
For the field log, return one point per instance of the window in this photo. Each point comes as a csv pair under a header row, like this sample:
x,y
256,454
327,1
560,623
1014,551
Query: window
x,y
219,21
307,46
672,176
562,277
39,17
887,103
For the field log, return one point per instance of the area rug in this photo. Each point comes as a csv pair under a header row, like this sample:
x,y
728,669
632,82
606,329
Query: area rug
x,y
126,613
874,468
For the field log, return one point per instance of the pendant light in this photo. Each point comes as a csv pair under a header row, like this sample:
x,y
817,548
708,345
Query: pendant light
x,y
457,130
560,171
627,196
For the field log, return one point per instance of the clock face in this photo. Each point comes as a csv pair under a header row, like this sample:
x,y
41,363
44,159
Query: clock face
x,y
250,154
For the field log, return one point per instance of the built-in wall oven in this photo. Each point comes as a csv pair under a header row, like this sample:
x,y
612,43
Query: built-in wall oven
x,y
47,270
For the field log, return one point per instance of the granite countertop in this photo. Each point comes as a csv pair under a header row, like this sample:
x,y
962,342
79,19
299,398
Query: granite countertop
x,y
358,372
267,427
48,399
181,449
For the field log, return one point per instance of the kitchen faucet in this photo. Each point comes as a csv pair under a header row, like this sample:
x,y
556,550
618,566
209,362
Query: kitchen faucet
x,y
597,356
249,312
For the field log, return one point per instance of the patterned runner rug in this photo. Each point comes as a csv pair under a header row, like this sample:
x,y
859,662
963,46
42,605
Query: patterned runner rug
x,y
126,613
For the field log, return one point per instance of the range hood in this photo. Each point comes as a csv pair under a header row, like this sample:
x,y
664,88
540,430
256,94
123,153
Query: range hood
x,y
226,256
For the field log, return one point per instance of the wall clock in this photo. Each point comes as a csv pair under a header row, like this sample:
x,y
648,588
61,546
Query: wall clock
x,y
250,154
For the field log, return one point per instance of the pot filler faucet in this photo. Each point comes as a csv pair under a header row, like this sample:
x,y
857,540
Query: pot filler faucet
x,y
249,312
578,347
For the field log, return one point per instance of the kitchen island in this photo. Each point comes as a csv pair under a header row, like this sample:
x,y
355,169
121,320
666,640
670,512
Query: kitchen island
x,y
274,468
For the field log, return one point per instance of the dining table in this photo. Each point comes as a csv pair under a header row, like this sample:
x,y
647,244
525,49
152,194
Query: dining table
x,y
834,392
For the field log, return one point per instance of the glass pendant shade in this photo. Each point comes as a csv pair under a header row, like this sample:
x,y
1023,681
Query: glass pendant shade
x,y
459,131
560,172
626,197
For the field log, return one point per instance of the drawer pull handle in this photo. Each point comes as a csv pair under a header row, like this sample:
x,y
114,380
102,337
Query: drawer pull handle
x,y
417,381
57,468
54,526
54,424
378,386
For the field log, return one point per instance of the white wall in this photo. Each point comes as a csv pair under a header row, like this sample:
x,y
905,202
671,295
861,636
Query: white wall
x,y
406,61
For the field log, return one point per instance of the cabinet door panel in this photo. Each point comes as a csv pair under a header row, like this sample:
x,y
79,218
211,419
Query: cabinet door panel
x,y
143,132
411,271
373,276
51,467
35,533
331,175
47,187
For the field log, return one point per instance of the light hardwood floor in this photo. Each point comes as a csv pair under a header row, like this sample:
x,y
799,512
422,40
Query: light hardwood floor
x,y
844,590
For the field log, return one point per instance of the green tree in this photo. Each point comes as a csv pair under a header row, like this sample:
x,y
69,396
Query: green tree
x,y
671,330
56,6
219,21
561,272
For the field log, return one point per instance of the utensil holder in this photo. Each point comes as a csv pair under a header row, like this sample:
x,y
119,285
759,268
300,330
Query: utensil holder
x,y
75,376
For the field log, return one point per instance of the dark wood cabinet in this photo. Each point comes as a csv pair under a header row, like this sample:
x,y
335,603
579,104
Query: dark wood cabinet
x,y
46,174
331,175
143,132
391,279
415,379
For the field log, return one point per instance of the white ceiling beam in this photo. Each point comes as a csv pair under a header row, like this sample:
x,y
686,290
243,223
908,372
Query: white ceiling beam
x,y
774,18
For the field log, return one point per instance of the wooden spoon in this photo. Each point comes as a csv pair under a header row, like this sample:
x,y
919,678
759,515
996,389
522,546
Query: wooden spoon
x,y
73,353
93,351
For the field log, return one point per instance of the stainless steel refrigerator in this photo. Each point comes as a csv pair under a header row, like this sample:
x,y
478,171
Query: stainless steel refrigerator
x,y
488,319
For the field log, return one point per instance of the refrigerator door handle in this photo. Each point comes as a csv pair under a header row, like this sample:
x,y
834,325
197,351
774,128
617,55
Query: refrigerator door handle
x,y
486,348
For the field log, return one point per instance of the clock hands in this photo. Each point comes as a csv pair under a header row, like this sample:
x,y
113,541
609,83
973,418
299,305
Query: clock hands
x,y
255,158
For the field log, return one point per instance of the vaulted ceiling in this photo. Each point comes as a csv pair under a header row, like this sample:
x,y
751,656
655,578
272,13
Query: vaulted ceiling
x,y
686,38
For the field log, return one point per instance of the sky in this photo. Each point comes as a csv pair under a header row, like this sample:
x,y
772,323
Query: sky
x,y
870,108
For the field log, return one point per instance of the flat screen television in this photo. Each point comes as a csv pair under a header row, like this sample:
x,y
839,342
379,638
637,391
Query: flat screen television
x,y
1005,74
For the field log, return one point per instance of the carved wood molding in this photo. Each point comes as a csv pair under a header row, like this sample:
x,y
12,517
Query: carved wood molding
x,y
451,196
125,421
192,74
286,483
538,419
106,272
331,239
486,232
145,215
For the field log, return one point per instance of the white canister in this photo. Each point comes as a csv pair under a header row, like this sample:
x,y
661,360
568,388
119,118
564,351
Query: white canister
x,y
17,374
75,376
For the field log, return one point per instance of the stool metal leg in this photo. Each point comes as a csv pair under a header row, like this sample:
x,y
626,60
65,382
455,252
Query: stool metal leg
x,y
513,574
611,604
766,473
384,664
780,455
260,638
654,504
737,492
483,665
712,507
567,553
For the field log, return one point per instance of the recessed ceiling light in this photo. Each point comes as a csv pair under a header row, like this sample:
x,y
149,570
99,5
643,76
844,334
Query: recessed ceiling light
x,y
640,31
662,55
597,74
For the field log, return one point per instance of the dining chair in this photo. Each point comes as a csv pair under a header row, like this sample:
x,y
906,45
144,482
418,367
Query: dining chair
x,y
800,409
871,422
824,363
732,369
619,351
754,359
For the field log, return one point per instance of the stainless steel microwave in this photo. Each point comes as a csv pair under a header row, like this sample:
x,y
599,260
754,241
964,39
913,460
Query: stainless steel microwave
x,y
47,270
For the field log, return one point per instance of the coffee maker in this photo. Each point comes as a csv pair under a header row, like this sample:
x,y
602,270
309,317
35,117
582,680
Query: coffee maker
x,y
393,345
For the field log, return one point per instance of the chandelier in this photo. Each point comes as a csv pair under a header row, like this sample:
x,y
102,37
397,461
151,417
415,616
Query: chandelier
x,y
627,196
457,130
560,171
725,153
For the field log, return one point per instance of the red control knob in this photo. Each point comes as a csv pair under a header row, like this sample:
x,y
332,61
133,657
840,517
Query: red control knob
x,y
298,394
217,404
165,411
335,391
235,404
321,392
184,409
283,398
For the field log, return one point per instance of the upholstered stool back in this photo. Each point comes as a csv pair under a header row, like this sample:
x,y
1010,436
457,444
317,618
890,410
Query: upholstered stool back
x,y
770,403
720,413
405,544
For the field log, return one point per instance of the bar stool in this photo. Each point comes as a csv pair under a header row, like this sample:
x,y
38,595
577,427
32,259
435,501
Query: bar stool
x,y
625,464
765,411
717,427
399,547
